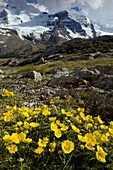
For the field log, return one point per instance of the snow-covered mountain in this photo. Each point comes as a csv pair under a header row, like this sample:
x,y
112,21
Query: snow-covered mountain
x,y
33,22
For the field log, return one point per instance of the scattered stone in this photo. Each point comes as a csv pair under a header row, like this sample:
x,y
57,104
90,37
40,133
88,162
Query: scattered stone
x,y
2,77
100,77
1,71
59,71
97,96
32,75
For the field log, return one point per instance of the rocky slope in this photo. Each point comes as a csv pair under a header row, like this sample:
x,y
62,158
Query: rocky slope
x,y
90,88
12,46
72,50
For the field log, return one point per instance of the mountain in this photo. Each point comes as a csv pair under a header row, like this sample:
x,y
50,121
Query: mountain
x,y
33,22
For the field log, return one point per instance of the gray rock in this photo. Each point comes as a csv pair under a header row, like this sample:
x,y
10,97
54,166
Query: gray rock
x,y
64,81
1,71
85,73
59,71
32,75
2,76
96,77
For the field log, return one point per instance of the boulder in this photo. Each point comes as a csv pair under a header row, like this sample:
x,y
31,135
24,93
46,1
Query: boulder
x,y
2,76
1,71
59,71
32,75
64,81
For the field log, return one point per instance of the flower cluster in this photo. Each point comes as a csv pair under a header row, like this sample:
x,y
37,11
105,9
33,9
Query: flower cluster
x,y
7,93
51,129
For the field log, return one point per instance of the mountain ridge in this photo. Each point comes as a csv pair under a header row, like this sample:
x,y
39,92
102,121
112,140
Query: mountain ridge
x,y
33,22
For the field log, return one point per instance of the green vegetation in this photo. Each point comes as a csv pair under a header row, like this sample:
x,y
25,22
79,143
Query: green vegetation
x,y
52,136
50,65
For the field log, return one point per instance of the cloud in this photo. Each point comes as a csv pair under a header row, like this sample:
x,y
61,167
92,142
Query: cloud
x,y
57,5
94,4
99,10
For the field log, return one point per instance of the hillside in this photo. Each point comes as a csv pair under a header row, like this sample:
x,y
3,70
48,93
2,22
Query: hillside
x,y
75,49
74,78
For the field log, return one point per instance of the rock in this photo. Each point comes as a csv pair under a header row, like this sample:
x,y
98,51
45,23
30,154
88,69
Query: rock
x,y
99,77
2,76
64,81
85,73
32,75
54,57
1,71
59,71
104,82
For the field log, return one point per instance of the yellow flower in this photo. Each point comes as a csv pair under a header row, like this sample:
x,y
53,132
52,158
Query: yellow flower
x,y
58,133
12,148
104,138
69,114
45,106
85,82
90,145
52,102
78,119
89,118
33,124
97,133
100,154
62,125
8,107
52,147
7,116
15,138
43,142
103,127
37,110
52,118
111,124
77,130
90,136
81,138
39,150
25,114
46,112
25,111
1,118
63,111
88,126
67,146
7,138
22,136
7,93
58,122
28,140
82,115
26,125
99,120
80,109
64,128
57,97
19,123
111,131
97,136
54,127
82,146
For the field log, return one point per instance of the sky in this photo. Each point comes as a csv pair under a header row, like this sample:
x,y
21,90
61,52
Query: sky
x,y
99,10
